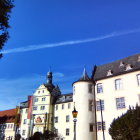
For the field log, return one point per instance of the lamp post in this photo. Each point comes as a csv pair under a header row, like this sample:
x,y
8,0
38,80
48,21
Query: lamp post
x,y
74,113
33,117
102,119
45,120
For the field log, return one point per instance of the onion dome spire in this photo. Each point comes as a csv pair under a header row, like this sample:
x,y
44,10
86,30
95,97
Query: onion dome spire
x,y
49,77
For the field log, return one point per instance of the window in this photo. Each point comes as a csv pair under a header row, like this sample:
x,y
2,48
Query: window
x,y
100,104
99,88
39,91
56,119
128,67
23,132
90,88
69,105
90,105
8,125
56,131
62,106
56,107
11,126
109,73
25,121
120,103
67,118
26,110
99,126
42,91
73,89
118,84
42,108
43,99
34,107
91,127
67,132
138,78
36,100
139,98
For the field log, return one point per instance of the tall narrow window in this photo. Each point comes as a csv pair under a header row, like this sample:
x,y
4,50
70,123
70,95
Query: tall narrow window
x,y
91,127
56,107
62,106
118,84
23,132
90,88
73,89
34,107
67,118
139,98
56,119
67,132
120,103
42,108
25,121
36,100
99,88
138,78
69,105
99,126
90,105
43,99
99,105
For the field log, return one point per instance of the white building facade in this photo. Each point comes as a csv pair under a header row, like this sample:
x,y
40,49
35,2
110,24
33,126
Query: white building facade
x,y
111,89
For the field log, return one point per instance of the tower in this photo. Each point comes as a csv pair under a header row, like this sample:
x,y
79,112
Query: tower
x,y
49,77
83,96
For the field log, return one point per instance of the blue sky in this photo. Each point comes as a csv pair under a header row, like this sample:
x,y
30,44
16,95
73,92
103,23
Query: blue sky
x,y
66,35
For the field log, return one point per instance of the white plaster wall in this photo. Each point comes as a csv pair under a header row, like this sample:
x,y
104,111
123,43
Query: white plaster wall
x,y
9,131
24,126
62,124
81,98
40,93
130,91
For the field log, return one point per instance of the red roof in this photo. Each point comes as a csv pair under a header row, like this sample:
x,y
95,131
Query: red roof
x,y
8,116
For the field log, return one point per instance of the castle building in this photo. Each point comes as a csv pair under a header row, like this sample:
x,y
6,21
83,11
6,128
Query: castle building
x,y
108,93
117,86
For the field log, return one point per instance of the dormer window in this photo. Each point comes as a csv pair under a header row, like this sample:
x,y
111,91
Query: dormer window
x,y
128,67
121,63
139,58
110,72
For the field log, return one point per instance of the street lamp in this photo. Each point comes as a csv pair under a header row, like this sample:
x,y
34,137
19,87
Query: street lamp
x,y
45,120
100,101
74,113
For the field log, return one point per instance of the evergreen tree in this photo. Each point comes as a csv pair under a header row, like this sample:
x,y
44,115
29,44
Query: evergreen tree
x,y
5,9
127,126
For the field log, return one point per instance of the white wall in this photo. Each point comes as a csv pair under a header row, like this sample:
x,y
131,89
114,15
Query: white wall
x,y
130,92
62,125
81,97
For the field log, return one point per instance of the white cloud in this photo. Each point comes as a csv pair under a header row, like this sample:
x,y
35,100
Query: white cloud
x,y
65,43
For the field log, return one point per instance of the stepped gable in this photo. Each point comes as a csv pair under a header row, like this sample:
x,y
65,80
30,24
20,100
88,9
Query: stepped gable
x,y
122,66
8,116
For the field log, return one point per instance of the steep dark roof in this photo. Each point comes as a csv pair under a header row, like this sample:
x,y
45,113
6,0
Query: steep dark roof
x,y
64,98
117,67
84,76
